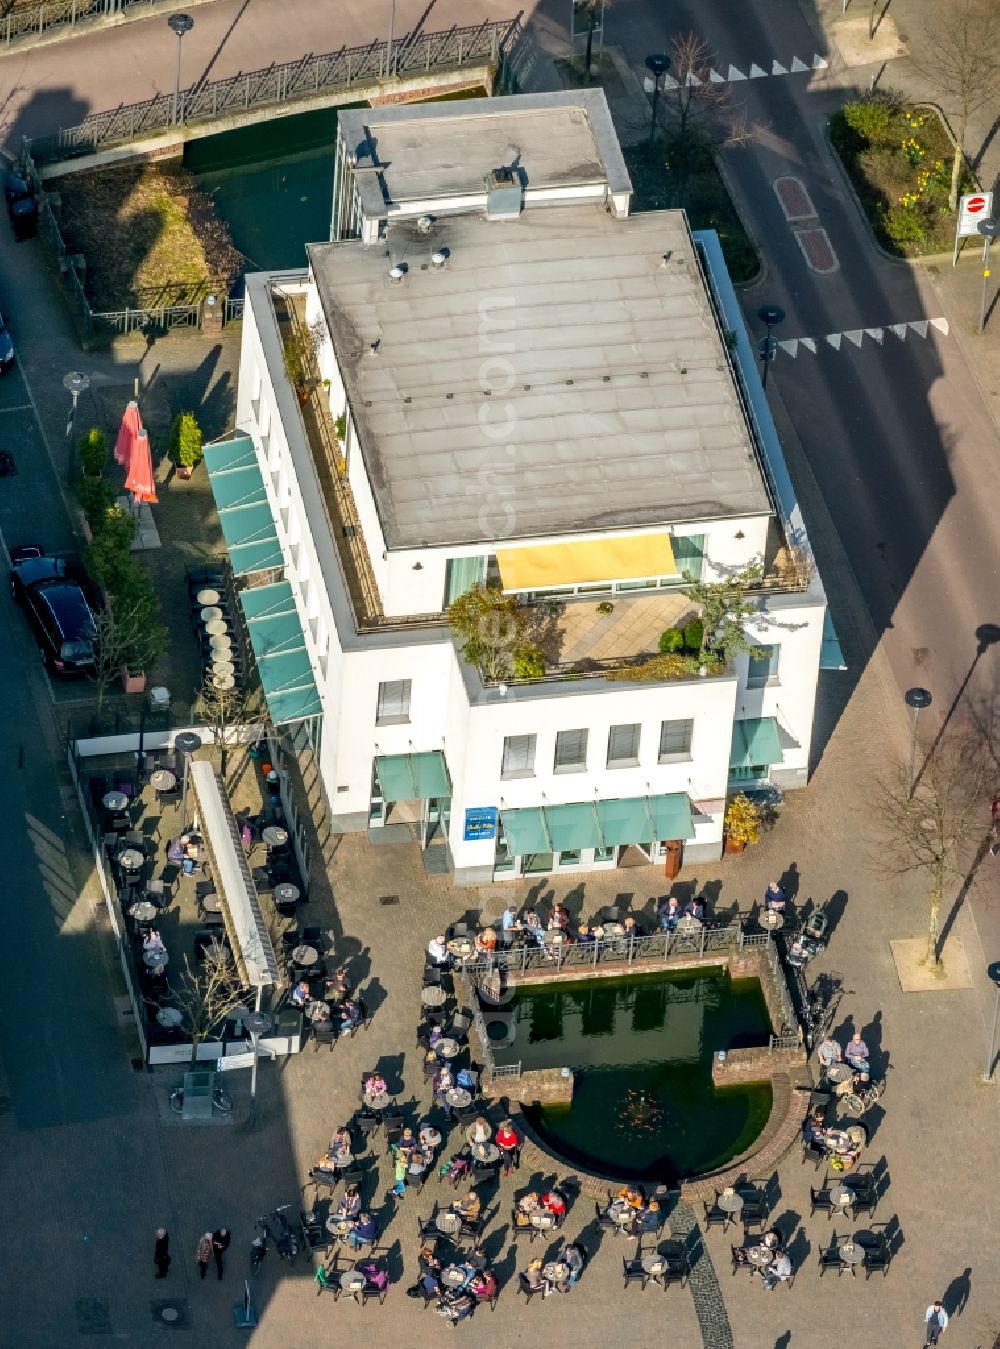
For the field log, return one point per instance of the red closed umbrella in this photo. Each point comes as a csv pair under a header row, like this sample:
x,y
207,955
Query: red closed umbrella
x,y
139,480
127,432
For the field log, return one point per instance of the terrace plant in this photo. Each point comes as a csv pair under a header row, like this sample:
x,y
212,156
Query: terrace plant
x,y
726,606
742,821
492,630
93,452
186,443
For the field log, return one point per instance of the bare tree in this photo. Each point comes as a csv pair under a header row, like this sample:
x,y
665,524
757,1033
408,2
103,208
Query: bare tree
x,y
206,996
695,100
927,829
962,62
228,712
118,634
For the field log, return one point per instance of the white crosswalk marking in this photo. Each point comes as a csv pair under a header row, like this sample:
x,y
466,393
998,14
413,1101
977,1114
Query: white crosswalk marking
x,y
734,74
820,63
777,69
797,66
856,336
756,73
716,78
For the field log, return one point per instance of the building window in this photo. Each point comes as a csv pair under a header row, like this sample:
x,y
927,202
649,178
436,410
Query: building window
x,y
518,756
689,554
393,702
675,740
623,746
462,574
763,668
571,752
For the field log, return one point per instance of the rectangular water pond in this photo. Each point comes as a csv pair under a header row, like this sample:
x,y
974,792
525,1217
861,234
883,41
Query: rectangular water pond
x,y
641,1049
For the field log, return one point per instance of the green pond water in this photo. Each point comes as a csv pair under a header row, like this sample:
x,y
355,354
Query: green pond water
x,y
641,1050
273,182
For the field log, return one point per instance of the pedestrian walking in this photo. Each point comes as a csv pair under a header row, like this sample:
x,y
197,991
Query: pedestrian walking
x,y
161,1253
220,1244
936,1319
204,1253
995,825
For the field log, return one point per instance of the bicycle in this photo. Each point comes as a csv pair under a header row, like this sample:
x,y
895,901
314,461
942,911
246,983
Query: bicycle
x,y
220,1100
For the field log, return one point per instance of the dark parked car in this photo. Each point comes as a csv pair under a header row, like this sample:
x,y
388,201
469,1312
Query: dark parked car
x,y
22,208
6,346
57,609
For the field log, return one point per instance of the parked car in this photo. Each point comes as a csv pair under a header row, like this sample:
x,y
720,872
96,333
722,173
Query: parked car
x,y
22,207
57,609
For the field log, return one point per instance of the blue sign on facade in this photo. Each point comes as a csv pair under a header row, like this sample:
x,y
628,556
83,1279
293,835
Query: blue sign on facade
x,y
480,822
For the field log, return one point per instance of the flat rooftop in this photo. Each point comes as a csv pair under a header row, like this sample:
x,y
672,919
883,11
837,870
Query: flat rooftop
x,y
561,373
433,151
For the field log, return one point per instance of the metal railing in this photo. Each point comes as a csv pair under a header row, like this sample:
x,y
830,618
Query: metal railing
x,y
161,318
489,42
780,985
627,950
32,20
783,1042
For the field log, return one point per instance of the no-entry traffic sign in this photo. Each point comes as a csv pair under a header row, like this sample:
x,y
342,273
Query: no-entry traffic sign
x,y
973,208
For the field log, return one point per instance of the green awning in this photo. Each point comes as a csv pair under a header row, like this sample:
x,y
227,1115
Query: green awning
x,y
413,777
246,520
755,742
574,826
525,832
282,658
600,824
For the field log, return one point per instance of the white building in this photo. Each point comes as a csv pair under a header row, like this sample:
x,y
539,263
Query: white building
x,y
524,384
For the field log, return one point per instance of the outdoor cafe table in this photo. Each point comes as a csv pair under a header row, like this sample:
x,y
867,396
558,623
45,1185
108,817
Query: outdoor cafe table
x,y
220,642
379,1101
433,996
446,1049
555,938
430,1137
223,681
851,1253
462,947
485,1152
458,1098
143,911
130,859
542,1221
453,1276
447,1223
760,1256
162,780
622,1214
170,1017
286,893
842,1194
555,1271
654,1263
352,1282
114,802
274,836
731,1203
771,919
207,597
317,1010
338,1227
222,663
216,627
613,929
211,903
689,924
839,1072
306,956
211,612
155,957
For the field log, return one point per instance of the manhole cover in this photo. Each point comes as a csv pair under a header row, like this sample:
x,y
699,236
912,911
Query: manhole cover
x,y
387,900
93,1316
171,1313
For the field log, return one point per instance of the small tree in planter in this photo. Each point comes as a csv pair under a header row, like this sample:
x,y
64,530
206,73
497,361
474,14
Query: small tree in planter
x,y
741,823
726,605
185,443
491,628
116,632
93,451
206,996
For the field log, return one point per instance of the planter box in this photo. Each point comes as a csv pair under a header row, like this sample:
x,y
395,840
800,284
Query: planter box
x,y
734,845
133,682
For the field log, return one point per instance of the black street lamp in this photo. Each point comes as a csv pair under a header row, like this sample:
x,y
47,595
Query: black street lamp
x,y
993,971
179,24
770,315
916,698
989,229
75,383
187,743
657,63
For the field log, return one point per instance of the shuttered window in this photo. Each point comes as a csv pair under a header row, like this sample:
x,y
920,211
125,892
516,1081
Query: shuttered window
x,y
623,746
675,739
393,702
571,752
518,756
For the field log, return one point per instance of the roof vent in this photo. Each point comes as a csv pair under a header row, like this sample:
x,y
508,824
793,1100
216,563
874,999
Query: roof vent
x,y
425,224
504,194
438,260
396,275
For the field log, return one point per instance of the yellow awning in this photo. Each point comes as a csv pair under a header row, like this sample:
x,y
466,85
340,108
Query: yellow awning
x,y
633,557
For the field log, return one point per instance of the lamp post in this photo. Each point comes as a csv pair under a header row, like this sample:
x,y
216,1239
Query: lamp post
x,y
994,973
257,1023
388,49
179,24
770,315
989,229
75,383
657,63
916,698
187,742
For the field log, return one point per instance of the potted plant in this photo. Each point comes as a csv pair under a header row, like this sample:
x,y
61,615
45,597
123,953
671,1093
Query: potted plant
x,y
93,451
185,444
741,823
605,607
298,353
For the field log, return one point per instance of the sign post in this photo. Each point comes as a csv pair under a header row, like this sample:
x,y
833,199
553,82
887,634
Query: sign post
x,y
973,208
989,229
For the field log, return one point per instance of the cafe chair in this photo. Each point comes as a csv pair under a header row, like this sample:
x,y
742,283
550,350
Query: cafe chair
x,y
427,1227
678,1265
315,936
459,929
602,1219
812,1151
324,1033
417,1182
754,1211
877,1253
460,1024
715,1216
314,1236
739,1260
821,1201
520,1225
865,1192
393,1131
325,1283
634,1272
463,1118
829,1258
352,1178
523,1286
367,1123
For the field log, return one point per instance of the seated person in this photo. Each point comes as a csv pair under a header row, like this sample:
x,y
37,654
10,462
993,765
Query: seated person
x,y
437,949
632,928
301,994
456,1308
570,1256
533,925
350,1203
558,918
486,939
177,850
525,1206
534,1277
828,1052
856,1053
695,908
479,1131
669,913
351,1016
630,1196
777,1271
418,1160
585,934
442,1084
326,1167
814,1132
375,1085
775,897
482,1285
510,920
468,1208
428,1262
407,1142
648,1219
152,941
341,1144
771,1239
554,1202
363,1231
337,986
